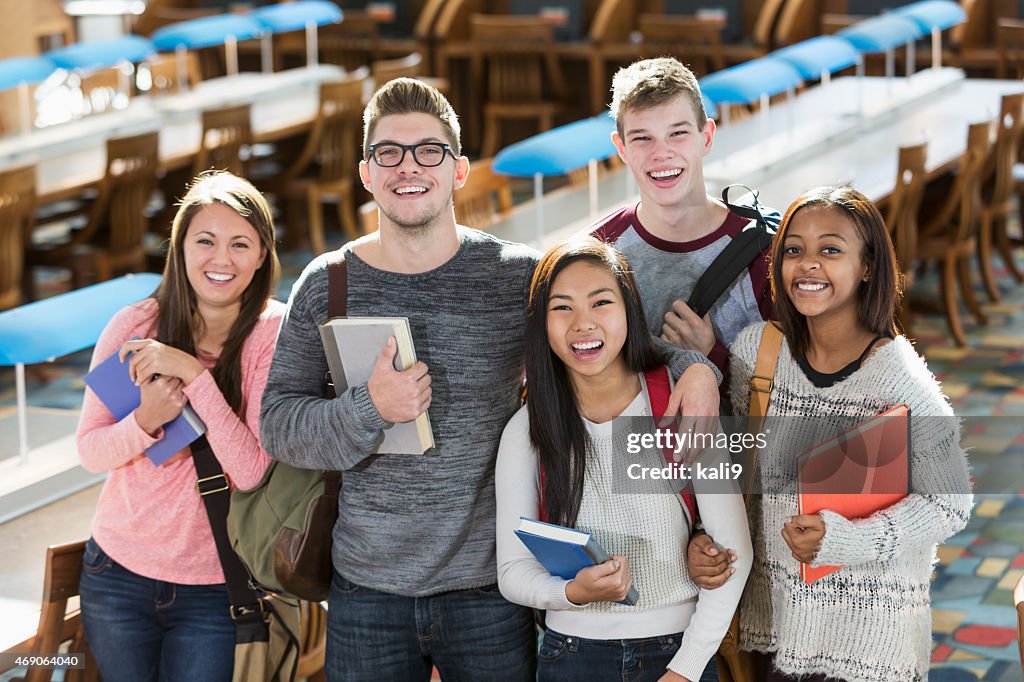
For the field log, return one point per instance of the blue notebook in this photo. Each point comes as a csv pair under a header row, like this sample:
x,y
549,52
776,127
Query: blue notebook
x,y
565,551
110,381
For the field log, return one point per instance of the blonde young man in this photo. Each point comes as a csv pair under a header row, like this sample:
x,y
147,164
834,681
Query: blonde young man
x,y
676,230
415,574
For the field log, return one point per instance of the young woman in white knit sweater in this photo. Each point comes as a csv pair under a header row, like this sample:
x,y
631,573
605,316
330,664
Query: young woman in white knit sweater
x,y
587,346
836,285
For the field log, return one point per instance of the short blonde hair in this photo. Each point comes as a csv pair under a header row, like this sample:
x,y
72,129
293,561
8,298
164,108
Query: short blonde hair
x,y
651,83
410,96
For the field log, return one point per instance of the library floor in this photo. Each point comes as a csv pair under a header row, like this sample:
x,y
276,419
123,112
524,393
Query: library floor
x,y
974,622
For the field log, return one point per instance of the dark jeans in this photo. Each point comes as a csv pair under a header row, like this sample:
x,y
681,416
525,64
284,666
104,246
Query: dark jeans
x,y
470,635
142,630
576,659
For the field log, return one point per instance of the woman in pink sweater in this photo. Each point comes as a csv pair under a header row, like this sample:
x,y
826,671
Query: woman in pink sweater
x,y
154,602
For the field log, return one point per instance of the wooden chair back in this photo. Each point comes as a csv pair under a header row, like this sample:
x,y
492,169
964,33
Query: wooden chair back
x,y
56,623
351,43
332,145
1010,49
132,165
17,208
485,198
695,42
312,641
1018,601
797,20
384,70
966,195
425,20
905,203
764,26
613,21
519,53
227,133
976,30
1010,129
454,17
164,77
101,87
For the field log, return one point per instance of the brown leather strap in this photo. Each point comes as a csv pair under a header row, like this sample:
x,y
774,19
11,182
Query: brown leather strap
x,y
761,390
337,285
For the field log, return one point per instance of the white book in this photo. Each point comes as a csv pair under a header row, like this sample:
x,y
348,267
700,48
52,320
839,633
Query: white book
x,y
353,345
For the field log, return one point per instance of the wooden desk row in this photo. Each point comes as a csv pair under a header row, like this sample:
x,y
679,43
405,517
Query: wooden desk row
x,y
71,156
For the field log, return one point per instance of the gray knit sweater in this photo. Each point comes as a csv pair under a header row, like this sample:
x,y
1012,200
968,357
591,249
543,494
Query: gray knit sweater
x,y
870,621
412,525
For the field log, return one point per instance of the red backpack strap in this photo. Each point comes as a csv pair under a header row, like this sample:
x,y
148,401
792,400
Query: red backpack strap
x,y
659,389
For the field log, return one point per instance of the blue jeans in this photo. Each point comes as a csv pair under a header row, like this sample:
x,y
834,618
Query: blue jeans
x,y
470,635
145,630
576,659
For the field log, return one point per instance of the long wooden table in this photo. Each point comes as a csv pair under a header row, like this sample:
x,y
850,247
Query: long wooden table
x,y
72,156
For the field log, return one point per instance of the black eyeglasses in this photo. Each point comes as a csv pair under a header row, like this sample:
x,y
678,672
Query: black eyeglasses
x,y
426,154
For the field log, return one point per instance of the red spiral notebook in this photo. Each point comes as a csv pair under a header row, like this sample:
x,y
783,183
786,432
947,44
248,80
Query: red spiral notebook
x,y
857,473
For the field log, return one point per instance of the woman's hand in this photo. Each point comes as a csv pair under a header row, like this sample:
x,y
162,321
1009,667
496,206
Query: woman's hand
x,y
670,676
609,581
162,401
803,533
150,357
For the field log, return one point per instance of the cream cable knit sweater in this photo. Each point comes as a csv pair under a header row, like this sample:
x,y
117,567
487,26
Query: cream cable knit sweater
x,y
870,621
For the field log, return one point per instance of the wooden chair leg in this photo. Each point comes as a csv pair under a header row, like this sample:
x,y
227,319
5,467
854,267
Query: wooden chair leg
x,y
950,305
985,255
1006,251
346,209
489,147
316,222
963,268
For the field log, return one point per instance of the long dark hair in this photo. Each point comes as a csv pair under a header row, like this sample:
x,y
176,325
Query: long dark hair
x,y
178,322
556,427
876,298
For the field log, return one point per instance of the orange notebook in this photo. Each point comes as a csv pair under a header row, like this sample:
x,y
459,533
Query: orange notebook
x,y
856,473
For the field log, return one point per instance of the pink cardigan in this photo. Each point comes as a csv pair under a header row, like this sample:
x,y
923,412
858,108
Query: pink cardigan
x,y
150,519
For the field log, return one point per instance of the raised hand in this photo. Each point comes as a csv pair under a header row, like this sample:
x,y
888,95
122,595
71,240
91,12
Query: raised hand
x,y
686,329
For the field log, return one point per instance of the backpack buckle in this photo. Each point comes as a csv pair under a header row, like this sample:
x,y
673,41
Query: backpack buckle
x,y
210,484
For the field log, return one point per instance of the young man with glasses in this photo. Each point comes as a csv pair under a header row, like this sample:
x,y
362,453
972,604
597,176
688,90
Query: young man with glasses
x,y
415,578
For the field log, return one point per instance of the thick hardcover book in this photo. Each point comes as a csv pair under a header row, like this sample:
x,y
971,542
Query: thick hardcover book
x,y
112,384
352,346
565,551
857,473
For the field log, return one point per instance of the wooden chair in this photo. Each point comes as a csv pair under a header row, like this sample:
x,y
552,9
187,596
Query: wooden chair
x,y
112,240
164,77
1010,49
56,623
325,168
762,38
901,218
227,134
368,218
973,43
17,208
101,87
312,642
351,43
384,70
695,42
519,54
951,238
798,20
999,196
1018,601
485,198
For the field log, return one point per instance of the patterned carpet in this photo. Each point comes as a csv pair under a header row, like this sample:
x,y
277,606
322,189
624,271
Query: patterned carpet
x,y
974,620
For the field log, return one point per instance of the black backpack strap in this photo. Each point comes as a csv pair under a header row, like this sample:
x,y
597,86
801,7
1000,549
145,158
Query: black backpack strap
x,y
337,300
215,491
737,255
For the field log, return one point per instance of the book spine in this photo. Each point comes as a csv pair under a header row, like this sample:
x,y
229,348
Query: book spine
x,y
193,420
598,555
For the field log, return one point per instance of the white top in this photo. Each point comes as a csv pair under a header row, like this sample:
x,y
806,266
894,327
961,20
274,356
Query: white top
x,y
648,528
